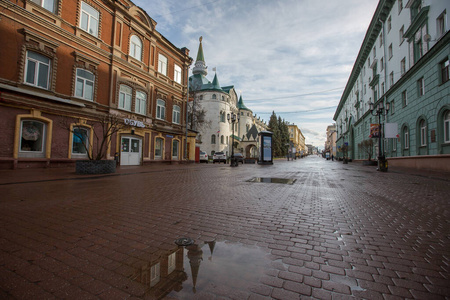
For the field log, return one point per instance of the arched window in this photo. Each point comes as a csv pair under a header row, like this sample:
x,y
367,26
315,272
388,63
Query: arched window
x,y
213,139
159,147
125,97
222,116
160,109
447,127
32,138
175,149
84,87
136,47
176,113
405,134
214,96
140,106
423,133
222,141
80,142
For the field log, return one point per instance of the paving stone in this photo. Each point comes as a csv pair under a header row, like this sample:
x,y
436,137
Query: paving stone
x,y
334,234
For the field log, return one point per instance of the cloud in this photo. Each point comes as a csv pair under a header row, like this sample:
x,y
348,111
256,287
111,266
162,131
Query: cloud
x,y
273,49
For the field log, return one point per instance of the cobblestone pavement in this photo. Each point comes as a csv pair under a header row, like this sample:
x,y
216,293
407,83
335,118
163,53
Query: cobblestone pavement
x,y
338,232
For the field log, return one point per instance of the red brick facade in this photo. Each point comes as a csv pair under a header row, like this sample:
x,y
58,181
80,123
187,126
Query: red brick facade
x,y
80,61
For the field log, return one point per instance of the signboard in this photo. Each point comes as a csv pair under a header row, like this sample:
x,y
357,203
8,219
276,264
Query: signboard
x,y
390,130
169,136
374,130
134,123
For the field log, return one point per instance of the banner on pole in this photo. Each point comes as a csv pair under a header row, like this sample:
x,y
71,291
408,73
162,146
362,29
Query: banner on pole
x,y
374,130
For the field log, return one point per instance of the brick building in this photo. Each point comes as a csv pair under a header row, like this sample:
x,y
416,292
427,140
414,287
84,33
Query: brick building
x,y
70,64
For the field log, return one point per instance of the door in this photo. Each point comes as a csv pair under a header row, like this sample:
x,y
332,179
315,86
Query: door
x,y
130,154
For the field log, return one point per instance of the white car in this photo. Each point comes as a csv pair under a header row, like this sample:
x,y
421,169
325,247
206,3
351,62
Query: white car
x,y
203,156
219,157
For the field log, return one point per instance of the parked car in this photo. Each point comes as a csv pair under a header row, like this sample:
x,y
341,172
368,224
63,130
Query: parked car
x,y
239,157
219,157
203,156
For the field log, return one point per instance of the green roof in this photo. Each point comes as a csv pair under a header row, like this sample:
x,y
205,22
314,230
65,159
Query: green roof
x,y
241,104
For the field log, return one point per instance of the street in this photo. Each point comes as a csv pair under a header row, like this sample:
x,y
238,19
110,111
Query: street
x,y
330,231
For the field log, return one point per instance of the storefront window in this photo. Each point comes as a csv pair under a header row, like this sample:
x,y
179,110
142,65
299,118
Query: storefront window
x,y
80,141
158,148
32,140
175,144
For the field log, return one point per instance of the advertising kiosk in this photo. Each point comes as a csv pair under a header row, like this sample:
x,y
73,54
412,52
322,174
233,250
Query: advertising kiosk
x,y
265,148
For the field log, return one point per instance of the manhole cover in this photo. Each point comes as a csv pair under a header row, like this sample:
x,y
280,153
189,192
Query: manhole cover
x,y
273,180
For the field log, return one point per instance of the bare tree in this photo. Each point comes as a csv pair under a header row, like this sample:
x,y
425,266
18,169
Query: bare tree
x,y
366,147
196,115
103,128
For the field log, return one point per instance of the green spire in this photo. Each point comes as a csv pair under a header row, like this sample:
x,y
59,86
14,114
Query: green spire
x,y
241,104
215,83
200,56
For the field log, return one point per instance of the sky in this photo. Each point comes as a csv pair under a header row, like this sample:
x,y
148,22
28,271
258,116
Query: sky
x,y
291,57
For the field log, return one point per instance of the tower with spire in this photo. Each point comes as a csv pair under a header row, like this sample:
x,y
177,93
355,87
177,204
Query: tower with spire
x,y
217,103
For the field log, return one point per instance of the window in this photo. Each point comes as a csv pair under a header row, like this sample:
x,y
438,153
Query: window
x,y
140,106
421,87
32,139
405,138
423,133
392,108
390,51
125,97
222,116
403,66
374,53
389,24
158,148
444,71
177,74
213,139
37,70
136,47
382,88
175,149
222,141
89,19
400,34
381,39
47,4
441,24
80,141
404,98
382,64
162,64
84,84
391,79
400,6
160,109
171,263
176,113
155,274
364,89
447,127
214,96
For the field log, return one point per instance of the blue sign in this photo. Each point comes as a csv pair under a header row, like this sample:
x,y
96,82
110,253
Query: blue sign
x,y
169,136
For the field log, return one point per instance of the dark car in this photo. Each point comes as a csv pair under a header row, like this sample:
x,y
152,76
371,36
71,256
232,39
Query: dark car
x,y
238,157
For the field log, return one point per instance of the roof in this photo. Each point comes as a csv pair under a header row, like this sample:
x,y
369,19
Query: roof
x,y
241,104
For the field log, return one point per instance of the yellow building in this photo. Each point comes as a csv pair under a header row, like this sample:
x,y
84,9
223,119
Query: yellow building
x,y
297,140
330,144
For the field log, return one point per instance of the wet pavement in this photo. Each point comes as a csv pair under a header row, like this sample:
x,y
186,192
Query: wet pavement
x,y
309,228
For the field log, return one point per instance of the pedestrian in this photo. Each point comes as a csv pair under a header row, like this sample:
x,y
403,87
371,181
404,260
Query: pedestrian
x,y
332,157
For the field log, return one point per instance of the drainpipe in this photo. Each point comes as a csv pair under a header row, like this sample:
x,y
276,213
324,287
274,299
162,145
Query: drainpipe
x,y
385,78
186,121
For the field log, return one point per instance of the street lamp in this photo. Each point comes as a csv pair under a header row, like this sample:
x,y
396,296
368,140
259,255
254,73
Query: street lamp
x,y
233,118
379,111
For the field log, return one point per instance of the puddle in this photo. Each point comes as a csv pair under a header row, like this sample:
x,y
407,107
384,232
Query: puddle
x,y
273,180
216,268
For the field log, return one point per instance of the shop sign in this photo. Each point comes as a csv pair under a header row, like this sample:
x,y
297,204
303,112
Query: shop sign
x,y
134,123
169,136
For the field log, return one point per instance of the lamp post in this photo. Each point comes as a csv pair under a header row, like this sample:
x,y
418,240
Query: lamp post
x,y
379,111
233,118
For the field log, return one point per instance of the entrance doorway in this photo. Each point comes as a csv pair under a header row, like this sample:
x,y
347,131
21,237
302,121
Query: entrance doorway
x,y
130,152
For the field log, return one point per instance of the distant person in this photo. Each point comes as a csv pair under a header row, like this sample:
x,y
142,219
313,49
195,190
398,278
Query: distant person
x,y
332,157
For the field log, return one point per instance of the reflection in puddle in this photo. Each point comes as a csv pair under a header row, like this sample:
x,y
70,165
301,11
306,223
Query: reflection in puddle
x,y
217,268
273,180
